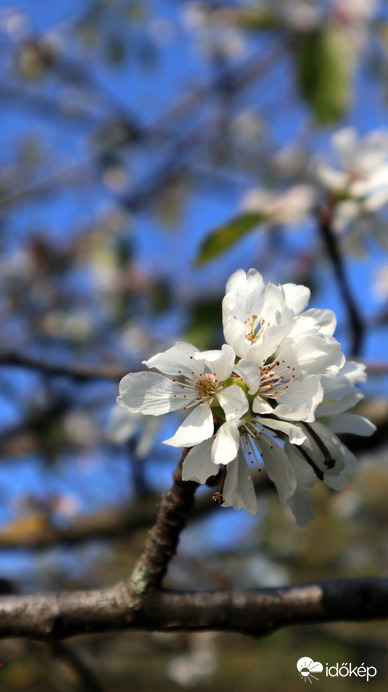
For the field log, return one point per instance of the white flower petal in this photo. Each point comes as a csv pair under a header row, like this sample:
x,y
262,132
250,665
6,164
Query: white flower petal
x,y
294,433
220,362
313,354
233,401
198,426
338,476
234,329
339,400
272,337
346,142
301,507
301,399
177,359
351,423
121,425
305,475
261,406
326,320
226,443
150,393
198,465
278,467
251,374
239,491
274,304
297,297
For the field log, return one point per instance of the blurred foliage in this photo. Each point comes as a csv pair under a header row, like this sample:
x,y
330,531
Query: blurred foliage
x,y
225,236
325,72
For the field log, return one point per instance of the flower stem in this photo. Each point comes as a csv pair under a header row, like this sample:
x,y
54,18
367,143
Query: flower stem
x,y
217,497
319,474
329,461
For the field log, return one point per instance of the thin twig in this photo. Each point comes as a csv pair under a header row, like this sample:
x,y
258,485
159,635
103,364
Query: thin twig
x,y
75,371
357,327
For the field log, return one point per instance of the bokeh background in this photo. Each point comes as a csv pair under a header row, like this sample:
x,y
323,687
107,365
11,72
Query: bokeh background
x,y
134,137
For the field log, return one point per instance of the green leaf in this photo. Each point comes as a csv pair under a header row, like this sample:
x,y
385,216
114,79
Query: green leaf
x,y
223,237
325,65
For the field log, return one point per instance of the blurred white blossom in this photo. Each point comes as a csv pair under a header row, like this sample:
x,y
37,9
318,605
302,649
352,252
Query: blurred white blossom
x,y
289,207
358,185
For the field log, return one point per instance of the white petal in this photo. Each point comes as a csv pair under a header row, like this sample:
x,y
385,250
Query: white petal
x,y
338,401
233,401
177,359
220,362
297,297
261,406
278,467
150,393
234,329
346,142
294,433
351,423
274,303
121,425
251,374
301,507
300,400
326,320
198,465
305,475
330,178
338,476
239,491
226,443
198,426
311,353
265,348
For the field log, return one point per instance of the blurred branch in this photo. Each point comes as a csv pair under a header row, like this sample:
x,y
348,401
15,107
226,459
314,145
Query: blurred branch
x,y
132,133
255,612
83,672
75,371
357,327
106,524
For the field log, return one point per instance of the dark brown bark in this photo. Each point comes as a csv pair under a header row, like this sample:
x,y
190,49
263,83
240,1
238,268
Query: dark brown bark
x,y
255,612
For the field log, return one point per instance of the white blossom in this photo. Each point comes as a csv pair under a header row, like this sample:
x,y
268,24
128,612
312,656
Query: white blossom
x,y
359,185
187,379
287,208
332,460
279,390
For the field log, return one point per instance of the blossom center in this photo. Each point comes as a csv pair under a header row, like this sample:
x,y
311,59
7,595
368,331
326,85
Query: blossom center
x,y
206,384
254,327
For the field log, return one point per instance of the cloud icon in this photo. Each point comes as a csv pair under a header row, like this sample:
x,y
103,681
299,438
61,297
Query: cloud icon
x,y
307,666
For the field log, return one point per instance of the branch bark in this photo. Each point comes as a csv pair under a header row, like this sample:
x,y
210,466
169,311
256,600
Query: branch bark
x,y
254,612
163,538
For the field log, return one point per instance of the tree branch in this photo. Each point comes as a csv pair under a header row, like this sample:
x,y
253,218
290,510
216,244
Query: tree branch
x,y
357,326
255,612
76,371
163,538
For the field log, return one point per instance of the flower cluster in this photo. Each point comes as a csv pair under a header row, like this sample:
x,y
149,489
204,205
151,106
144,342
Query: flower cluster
x,y
277,392
359,185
